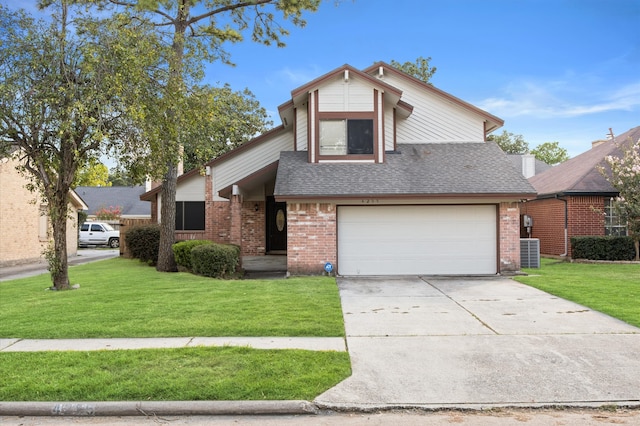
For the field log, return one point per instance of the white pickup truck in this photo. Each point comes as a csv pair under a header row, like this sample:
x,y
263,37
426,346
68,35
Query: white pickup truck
x,y
98,234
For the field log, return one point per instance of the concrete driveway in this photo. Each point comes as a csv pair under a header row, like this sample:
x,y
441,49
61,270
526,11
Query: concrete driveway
x,y
479,342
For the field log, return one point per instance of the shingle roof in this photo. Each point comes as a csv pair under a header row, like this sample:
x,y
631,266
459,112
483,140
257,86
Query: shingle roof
x,y
126,197
580,175
436,169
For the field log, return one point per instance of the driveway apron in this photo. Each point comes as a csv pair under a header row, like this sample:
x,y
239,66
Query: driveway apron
x,y
479,342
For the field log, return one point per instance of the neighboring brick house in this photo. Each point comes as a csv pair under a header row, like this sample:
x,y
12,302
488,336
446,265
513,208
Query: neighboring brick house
x,y
574,199
125,198
373,171
25,228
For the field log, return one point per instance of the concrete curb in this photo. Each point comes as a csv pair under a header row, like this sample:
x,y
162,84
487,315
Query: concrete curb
x,y
157,408
479,406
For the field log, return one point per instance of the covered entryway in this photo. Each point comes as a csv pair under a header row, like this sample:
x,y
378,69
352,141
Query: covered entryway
x,y
276,226
417,240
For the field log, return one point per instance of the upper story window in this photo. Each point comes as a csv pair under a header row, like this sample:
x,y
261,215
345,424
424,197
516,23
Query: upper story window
x,y
613,224
346,137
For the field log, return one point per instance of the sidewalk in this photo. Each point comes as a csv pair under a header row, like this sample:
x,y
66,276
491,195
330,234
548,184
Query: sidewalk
x,y
305,343
32,269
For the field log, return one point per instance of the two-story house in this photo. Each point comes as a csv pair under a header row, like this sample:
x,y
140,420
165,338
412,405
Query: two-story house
x,y
373,171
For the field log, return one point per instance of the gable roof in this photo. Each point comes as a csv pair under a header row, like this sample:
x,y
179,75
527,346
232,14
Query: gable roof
x,y
77,201
580,175
264,137
346,70
126,197
424,170
300,94
493,122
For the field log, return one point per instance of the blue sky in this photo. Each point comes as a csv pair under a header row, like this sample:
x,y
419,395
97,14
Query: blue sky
x,y
553,70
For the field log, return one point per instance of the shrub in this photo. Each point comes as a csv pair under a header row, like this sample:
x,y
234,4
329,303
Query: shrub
x,y
143,242
108,213
182,251
215,260
603,248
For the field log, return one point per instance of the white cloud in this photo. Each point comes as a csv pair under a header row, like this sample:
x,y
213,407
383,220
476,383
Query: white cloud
x,y
297,77
560,98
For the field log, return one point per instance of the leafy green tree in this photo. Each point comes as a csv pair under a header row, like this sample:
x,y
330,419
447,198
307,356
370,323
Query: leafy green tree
x,y
119,177
94,173
419,69
551,153
624,174
510,143
61,95
193,32
234,118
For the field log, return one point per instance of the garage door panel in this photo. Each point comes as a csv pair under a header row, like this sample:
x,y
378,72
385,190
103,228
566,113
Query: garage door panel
x,y
389,240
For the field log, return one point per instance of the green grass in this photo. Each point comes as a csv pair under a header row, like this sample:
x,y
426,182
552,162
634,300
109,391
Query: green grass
x,y
170,374
126,298
610,288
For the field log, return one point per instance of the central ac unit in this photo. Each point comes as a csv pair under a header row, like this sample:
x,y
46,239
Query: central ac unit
x,y
529,253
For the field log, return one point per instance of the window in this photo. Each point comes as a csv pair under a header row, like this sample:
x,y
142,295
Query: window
x,y
189,215
613,224
346,137
43,223
96,228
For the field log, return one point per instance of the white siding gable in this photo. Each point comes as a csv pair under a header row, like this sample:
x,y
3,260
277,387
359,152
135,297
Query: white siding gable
x,y
434,119
250,161
350,96
301,128
388,128
191,189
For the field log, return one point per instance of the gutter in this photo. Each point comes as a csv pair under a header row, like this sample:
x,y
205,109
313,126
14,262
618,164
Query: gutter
x,y
566,225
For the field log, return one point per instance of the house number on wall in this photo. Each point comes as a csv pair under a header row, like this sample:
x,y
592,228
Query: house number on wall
x,y
370,201
280,219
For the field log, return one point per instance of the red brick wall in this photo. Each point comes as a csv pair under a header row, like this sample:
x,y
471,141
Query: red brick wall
x,y
548,224
311,237
218,221
253,228
584,218
509,232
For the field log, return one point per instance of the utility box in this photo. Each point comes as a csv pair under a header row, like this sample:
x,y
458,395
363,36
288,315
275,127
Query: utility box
x,y
529,253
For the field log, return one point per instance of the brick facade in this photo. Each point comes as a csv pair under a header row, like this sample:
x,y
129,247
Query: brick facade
x,y
509,242
311,237
233,222
20,220
584,215
253,228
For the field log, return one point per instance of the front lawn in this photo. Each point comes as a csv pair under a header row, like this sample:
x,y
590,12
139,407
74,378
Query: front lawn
x,y
222,374
126,298
610,288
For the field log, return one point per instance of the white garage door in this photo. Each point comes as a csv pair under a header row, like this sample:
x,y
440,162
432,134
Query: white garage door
x,y
413,240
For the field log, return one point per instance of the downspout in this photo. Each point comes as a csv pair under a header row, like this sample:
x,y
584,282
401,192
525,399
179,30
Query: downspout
x,y
566,226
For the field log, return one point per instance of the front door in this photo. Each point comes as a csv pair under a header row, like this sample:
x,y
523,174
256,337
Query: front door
x,y
276,225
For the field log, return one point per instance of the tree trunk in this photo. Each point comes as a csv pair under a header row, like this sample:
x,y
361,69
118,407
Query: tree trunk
x,y
58,262
166,260
637,244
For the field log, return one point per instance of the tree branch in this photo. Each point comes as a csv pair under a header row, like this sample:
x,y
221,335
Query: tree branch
x,y
227,9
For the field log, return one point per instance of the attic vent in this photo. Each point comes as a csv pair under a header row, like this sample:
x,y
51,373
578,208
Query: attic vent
x,y
529,253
